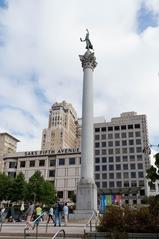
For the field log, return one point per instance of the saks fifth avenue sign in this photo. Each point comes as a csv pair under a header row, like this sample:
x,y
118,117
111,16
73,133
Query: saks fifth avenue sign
x,y
50,152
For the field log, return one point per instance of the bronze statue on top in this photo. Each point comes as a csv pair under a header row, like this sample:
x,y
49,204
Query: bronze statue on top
x,y
88,42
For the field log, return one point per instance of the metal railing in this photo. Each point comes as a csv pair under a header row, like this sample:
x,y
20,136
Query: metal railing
x,y
56,234
35,224
89,223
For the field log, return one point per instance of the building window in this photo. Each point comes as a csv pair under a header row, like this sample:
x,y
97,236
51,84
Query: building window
x,y
111,159
22,164
131,150
111,184
118,175
104,184
97,160
153,187
132,157
133,174
117,128
125,166
118,166
124,142
97,152
97,176
111,167
132,166
130,126
138,134
97,168
131,134
110,143
110,151
51,173
140,174
104,167
140,166
32,163
131,142
137,126
60,194
126,184
103,129
123,127
52,162
110,136
110,128
117,143
41,163
72,161
12,165
123,135
126,175
97,129
103,136
138,149
139,157
103,144
97,137
119,184
97,145
62,161
117,135
117,159
104,159
117,150
138,141
133,184
104,152
141,183
111,176
104,176
124,150
125,158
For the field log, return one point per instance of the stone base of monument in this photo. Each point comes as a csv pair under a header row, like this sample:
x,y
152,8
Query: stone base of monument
x,y
86,199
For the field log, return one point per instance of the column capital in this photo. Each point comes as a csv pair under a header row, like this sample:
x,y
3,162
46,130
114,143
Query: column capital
x,y
88,60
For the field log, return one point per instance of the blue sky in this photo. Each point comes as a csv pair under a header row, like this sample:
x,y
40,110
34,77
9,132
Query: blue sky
x,y
39,48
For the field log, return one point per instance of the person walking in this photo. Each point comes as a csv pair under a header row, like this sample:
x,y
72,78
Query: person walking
x,y
38,212
58,213
65,210
29,214
51,214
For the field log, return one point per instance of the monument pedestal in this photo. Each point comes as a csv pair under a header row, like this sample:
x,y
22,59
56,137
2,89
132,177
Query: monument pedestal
x,y
86,200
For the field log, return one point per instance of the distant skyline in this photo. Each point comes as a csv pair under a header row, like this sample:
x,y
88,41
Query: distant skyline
x,y
39,62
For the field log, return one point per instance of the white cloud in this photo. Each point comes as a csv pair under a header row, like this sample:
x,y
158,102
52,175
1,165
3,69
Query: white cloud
x,y
43,39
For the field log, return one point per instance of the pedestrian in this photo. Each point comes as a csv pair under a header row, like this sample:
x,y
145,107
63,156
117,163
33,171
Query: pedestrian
x,y
29,214
51,214
58,213
38,212
65,210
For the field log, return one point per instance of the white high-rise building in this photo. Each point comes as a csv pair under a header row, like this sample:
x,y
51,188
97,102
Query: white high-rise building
x,y
63,128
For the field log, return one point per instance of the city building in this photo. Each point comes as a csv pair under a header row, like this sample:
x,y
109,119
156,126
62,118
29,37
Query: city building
x,y
8,144
120,162
63,128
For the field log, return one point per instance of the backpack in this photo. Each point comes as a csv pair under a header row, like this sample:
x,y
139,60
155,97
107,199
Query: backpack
x,y
60,207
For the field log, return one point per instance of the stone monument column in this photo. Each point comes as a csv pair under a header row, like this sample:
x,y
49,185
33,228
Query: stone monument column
x,y
86,188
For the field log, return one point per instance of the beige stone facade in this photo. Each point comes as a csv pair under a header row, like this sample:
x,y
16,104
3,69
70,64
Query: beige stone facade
x,y
63,128
8,144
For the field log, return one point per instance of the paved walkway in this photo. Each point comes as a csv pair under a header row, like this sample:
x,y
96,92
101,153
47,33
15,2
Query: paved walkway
x,y
72,228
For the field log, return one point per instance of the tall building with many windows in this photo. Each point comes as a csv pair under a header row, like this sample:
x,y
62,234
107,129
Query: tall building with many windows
x,y
8,144
120,163
63,128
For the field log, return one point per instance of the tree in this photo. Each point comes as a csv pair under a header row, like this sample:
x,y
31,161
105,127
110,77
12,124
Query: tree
x,y
48,193
40,190
153,172
18,189
5,186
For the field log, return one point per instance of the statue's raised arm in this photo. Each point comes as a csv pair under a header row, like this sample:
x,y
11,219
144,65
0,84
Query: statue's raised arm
x,y
87,40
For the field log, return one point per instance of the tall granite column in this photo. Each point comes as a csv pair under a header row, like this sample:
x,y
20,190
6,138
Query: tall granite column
x,y
86,188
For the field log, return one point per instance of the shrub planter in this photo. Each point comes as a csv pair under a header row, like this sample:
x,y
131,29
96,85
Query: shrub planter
x,y
120,235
